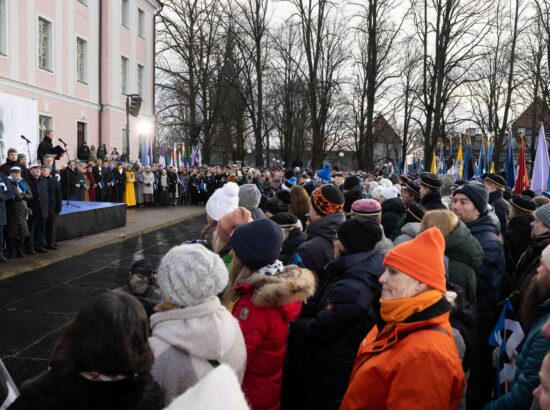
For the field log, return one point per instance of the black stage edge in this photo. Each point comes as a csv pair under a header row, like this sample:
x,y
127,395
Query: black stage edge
x,y
88,220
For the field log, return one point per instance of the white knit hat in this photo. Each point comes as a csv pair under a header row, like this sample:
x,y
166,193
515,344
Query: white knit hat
x,y
219,390
385,182
190,274
223,201
389,193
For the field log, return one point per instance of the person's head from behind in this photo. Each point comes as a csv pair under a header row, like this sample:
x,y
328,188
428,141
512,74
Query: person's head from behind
x,y
367,208
357,235
142,266
325,200
522,206
470,201
299,201
445,221
415,267
542,392
108,336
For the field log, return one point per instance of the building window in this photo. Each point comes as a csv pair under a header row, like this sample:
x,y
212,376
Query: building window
x,y
141,23
3,27
125,21
45,122
141,71
44,44
81,128
82,60
123,75
84,2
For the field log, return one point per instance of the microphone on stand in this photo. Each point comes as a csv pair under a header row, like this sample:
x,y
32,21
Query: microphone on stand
x,y
26,139
63,142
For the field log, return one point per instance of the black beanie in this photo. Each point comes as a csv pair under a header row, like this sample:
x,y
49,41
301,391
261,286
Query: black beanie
x,y
275,205
350,182
289,173
359,235
528,192
477,193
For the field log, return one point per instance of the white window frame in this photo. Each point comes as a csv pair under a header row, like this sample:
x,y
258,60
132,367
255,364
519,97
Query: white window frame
x,y
50,126
125,13
124,76
140,78
50,67
3,27
141,23
83,2
83,80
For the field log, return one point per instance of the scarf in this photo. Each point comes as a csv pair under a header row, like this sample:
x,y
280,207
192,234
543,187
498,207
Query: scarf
x,y
273,269
99,377
398,310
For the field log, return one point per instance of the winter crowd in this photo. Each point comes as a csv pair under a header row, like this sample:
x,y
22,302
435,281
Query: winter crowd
x,y
321,291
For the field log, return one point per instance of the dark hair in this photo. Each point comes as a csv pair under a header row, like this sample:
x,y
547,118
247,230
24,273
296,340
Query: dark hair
x,y
109,335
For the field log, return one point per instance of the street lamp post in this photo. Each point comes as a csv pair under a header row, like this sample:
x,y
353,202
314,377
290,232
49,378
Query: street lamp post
x,y
249,151
340,156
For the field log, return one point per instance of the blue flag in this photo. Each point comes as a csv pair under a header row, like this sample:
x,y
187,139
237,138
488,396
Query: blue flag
x,y
509,163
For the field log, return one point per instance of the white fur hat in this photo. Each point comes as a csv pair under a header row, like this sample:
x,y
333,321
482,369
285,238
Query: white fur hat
x,y
389,193
190,274
376,193
385,182
223,201
219,390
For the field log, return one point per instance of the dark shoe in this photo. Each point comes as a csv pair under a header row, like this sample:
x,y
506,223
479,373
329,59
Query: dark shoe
x,y
20,255
30,252
10,255
51,247
41,250
3,258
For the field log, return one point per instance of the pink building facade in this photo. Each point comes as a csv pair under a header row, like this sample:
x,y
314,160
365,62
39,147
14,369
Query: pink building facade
x,y
78,59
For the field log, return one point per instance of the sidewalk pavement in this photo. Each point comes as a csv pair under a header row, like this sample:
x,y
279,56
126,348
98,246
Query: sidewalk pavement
x,y
138,222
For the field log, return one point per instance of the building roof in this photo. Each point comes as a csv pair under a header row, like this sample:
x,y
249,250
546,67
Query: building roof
x,y
384,132
525,120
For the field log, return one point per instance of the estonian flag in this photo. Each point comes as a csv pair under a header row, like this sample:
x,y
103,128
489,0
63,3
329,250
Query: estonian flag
x,y
508,336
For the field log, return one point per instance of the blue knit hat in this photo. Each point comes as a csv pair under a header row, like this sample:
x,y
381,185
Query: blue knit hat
x,y
258,243
477,193
323,175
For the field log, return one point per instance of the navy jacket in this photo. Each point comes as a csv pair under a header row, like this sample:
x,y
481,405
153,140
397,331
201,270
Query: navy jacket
x,y
431,201
39,202
54,195
501,207
489,274
5,195
332,329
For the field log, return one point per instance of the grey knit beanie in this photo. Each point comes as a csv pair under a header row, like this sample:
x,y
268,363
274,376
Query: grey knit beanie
x,y
249,196
188,275
543,214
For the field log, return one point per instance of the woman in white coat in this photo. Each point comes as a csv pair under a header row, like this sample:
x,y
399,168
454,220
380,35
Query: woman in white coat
x,y
148,179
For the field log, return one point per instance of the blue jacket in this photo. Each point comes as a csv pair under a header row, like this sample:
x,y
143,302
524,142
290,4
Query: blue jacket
x,y
529,361
331,329
489,273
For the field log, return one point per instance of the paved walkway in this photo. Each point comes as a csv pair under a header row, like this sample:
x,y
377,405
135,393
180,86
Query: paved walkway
x,y
36,306
138,221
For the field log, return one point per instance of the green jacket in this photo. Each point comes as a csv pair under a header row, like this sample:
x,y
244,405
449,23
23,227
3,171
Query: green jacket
x,y
526,377
465,254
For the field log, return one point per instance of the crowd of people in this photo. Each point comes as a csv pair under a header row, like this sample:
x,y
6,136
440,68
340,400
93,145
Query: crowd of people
x,y
322,290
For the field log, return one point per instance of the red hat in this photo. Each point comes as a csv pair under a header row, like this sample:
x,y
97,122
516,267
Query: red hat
x,y
230,221
421,258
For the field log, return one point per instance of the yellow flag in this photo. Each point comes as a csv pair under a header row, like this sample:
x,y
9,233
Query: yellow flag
x,y
433,169
459,160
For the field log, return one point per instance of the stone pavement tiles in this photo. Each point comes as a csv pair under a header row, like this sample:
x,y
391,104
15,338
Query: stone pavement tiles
x,y
35,306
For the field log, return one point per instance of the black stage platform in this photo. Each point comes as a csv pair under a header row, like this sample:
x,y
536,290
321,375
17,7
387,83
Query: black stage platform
x,y
87,218
35,306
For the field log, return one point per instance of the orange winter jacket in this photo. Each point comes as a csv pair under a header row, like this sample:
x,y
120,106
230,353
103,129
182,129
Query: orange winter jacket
x,y
413,366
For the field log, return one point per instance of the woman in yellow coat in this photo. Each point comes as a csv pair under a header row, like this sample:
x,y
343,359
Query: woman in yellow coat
x,y
130,193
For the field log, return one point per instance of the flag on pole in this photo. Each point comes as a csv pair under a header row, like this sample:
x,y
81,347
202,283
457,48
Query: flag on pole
x,y
522,181
442,165
481,162
199,156
459,161
433,168
539,180
507,336
150,152
145,154
162,156
509,162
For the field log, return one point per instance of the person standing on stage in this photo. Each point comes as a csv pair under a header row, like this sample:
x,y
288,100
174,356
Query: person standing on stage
x,y
54,205
6,193
45,146
70,182
39,207
22,161
17,229
11,161
84,152
129,192
119,180
99,178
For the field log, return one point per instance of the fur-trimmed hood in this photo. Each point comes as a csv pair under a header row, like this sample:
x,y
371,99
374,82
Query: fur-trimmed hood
x,y
294,284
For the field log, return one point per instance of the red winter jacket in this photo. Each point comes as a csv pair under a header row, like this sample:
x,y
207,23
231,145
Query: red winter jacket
x,y
264,307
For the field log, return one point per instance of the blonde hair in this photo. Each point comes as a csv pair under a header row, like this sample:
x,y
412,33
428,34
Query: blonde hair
x,y
208,228
217,242
446,221
238,272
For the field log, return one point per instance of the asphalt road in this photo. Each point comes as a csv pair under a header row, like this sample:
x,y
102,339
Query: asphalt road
x,y
35,306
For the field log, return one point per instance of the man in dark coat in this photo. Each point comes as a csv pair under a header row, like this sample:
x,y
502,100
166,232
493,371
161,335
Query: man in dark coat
x,y
392,212
99,178
353,191
46,146
70,182
11,161
293,234
410,193
83,152
430,185
39,208
54,205
6,193
119,178
325,213
470,205
496,185
323,343
22,161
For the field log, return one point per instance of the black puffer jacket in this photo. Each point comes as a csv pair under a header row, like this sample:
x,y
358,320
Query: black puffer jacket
x,y
392,210
489,274
295,238
516,240
318,250
431,201
325,340
501,207
529,261
50,391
